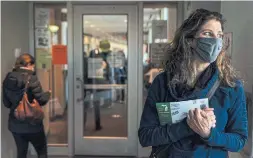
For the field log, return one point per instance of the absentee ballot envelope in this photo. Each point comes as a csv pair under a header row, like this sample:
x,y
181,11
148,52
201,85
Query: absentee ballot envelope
x,y
173,112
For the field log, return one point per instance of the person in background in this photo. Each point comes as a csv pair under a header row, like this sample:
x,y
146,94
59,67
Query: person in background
x,y
146,59
13,89
101,97
94,53
121,74
196,61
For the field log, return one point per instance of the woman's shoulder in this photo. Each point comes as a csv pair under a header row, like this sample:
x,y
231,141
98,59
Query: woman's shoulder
x,y
160,77
34,81
235,92
160,81
14,80
238,89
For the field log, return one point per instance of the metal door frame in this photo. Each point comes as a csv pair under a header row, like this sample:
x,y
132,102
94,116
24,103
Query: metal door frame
x,y
121,146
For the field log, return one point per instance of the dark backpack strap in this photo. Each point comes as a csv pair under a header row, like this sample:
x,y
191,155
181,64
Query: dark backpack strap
x,y
213,89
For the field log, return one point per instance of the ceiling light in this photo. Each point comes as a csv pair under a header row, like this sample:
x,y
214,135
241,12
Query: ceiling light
x,y
125,20
53,28
86,22
116,116
91,25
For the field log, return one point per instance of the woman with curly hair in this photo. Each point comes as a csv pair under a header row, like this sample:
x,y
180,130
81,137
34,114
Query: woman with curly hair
x,y
196,61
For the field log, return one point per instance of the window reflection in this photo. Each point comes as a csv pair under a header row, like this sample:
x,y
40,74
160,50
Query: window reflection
x,y
105,50
51,67
159,25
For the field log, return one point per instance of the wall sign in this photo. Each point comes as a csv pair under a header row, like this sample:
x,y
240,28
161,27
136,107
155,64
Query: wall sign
x,y
43,59
42,16
159,29
157,52
59,54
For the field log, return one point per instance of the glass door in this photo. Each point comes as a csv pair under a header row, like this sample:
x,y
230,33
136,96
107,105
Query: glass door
x,y
105,80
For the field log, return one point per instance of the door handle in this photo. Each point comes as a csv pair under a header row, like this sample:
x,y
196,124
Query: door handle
x,y
78,79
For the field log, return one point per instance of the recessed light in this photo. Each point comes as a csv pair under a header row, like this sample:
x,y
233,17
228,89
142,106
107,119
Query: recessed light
x,y
64,10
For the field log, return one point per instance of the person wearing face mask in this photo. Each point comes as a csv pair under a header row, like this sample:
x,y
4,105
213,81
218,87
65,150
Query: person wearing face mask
x,y
13,90
196,62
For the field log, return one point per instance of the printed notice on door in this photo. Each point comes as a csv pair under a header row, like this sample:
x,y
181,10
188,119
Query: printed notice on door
x,y
157,52
42,16
42,33
43,59
159,29
115,60
42,38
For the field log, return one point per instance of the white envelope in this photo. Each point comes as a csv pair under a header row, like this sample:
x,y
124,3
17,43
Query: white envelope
x,y
179,110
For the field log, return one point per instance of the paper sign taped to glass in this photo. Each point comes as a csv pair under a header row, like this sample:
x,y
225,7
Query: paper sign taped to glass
x,y
173,112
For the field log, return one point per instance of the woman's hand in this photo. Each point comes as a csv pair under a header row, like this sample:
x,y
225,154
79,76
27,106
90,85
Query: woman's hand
x,y
200,121
210,114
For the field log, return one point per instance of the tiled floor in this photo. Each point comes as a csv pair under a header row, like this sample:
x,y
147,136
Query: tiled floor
x,y
113,117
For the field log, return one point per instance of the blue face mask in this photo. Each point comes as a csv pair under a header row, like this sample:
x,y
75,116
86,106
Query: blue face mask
x,y
208,49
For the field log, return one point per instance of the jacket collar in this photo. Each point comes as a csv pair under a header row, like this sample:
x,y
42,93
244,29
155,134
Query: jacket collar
x,y
23,70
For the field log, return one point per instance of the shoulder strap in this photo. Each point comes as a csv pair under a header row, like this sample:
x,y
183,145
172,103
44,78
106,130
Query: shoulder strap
x,y
213,89
27,82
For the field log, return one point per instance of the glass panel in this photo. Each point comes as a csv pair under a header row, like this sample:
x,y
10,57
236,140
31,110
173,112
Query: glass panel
x,y
105,75
51,67
159,25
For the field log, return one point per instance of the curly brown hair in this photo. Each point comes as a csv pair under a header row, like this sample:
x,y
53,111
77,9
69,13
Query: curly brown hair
x,y
179,52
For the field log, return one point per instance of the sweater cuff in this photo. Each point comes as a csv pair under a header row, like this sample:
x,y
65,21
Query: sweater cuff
x,y
210,138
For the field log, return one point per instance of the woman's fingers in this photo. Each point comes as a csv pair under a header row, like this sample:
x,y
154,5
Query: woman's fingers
x,y
197,113
204,114
191,115
208,109
213,117
209,113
